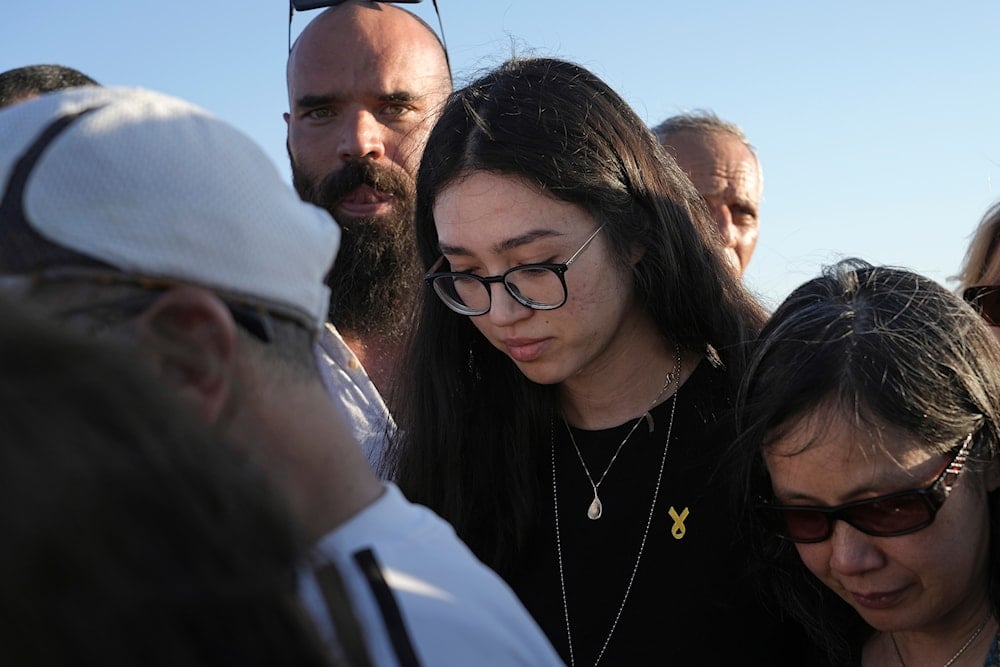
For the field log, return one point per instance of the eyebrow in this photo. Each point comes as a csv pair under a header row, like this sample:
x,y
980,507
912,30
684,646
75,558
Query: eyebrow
x,y
309,101
502,246
315,100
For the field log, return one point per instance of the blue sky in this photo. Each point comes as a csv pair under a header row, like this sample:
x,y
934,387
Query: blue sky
x,y
876,122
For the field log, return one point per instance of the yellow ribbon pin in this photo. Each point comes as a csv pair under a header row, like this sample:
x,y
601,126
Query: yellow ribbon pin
x,y
678,529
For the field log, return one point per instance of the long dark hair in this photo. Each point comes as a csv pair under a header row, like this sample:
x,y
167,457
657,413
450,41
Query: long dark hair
x,y
471,425
889,348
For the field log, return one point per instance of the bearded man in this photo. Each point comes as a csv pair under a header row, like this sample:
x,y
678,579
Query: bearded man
x,y
366,81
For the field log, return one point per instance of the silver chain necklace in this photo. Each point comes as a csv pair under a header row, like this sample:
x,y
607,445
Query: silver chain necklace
x,y
966,645
645,533
596,509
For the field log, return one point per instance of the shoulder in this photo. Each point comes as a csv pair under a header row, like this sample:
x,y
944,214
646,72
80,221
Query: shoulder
x,y
411,568
347,384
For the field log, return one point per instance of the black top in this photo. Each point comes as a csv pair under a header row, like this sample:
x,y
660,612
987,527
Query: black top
x,y
690,603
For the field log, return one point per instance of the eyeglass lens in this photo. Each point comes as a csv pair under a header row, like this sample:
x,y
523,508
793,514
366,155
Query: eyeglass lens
x,y
885,516
534,286
892,516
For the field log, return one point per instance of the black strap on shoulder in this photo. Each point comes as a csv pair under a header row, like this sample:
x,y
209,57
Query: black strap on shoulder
x,y
393,618
349,633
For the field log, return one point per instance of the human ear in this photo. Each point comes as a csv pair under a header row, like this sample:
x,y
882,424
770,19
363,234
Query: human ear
x,y
190,336
636,253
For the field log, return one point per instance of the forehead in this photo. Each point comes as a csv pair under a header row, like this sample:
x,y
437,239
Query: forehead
x,y
825,450
484,209
367,48
715,154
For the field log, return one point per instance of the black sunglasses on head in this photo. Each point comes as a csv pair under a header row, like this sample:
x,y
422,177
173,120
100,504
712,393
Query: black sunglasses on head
x,y
986,300
304,5
890,515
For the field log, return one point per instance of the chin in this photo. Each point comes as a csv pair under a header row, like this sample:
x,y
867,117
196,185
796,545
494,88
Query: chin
x,y
539,372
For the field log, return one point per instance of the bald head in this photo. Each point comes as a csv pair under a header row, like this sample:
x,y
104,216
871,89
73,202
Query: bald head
x,y
369,26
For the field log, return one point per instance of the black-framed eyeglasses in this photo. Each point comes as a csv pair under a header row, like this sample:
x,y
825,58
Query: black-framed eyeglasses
x,y
537,286
890,515
304,5
986,300
252,317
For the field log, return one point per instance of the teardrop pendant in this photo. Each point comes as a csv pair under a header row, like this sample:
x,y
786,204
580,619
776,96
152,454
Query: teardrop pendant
x,y
596,509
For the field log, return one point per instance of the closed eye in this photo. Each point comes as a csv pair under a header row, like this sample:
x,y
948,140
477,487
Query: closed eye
x,y
528,270
743,214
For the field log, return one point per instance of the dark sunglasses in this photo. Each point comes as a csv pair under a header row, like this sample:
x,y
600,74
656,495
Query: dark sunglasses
x,y
304,5
890,515
986,300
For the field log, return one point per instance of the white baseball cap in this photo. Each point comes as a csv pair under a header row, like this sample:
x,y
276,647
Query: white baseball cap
x,y
150,185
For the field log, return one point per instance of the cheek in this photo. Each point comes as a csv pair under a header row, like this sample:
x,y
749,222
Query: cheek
x,y
748,238
482,324
959,539
406,149
816,558
310,147
598,288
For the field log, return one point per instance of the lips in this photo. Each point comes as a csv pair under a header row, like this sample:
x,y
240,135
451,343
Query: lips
x,y
365,200
878,599
525,349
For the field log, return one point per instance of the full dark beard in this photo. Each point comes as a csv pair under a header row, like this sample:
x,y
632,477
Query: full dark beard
x,y
375,278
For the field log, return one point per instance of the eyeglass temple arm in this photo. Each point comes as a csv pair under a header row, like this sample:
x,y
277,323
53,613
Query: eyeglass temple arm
x,y
444,42
436,265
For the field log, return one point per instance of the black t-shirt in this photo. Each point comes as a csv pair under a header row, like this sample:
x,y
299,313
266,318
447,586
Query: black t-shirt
x,y
689,603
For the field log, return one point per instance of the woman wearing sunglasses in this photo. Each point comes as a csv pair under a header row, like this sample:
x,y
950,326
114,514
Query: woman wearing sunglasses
x,y
979,279
870,418
576,349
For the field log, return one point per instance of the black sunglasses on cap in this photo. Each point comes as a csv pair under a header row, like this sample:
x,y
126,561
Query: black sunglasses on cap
x,y
986,300
890,515
304,5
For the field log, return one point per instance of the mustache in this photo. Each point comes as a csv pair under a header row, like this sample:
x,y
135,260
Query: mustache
x,y
337,185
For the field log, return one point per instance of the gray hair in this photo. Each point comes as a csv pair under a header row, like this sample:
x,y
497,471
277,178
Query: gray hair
x,y
701,121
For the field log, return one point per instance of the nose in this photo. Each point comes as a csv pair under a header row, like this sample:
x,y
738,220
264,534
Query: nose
x,y
724,221
361,136
852,552
504,308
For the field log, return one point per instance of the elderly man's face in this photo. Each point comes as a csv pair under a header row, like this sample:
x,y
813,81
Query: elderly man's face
x,y
727,176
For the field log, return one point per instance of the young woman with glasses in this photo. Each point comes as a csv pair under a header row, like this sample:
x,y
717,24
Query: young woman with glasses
x,y
570,370
870,422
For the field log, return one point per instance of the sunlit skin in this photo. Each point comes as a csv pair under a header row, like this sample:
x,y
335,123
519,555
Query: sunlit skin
x,y
727,176
600,346
928,588
365,80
